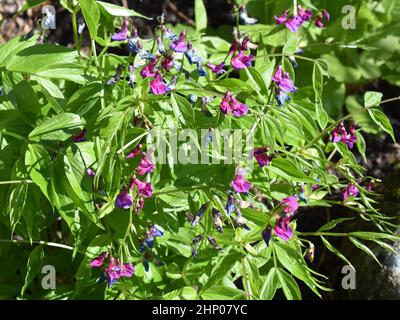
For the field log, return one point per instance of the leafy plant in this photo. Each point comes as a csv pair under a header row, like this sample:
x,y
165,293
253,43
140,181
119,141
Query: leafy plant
x,y
77,172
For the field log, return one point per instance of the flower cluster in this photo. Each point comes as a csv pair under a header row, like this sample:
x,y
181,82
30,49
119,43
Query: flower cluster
x,y
284,85
114,269
294,22
340,134
124,199
229,105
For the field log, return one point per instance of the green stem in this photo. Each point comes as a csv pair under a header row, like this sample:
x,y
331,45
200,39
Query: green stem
x,y
75,30
14,135
50,244
16,181
318,234
217,186
246,282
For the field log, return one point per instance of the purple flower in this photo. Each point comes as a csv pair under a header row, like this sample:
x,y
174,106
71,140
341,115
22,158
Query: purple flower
x,y
199,214
339,134
124,199
245,44
167,62
157,85
190,54
238,109
305,15
79,137
266,234
90,172
156,231
127,270
261,156
145,165
143,188
139,204
320,17
218,70
160,46
167,33
240,184
290,204
230,205
282,18
241,61
200,70
217,220
294,23
282,228
229,104
134,152
350,191
281,97
179,45
122,34
283,81
149,71
98,261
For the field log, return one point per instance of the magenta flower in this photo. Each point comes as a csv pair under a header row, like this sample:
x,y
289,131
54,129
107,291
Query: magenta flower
x,y
127,270
139,204
167,62
283,81
241,61
339,134
134,152
79,137
179,45
149,71
320,17
122,34
290,204
262,157
240,184
229,104
124,199
305,15
282,18
238,109
218,70
294,23
98,261
145,165
266,235
282,228
350,191
90,172
157,85
144,189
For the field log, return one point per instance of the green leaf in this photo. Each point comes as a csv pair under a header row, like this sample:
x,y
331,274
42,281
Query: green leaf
x,y
185,293
34,266
27,100
53,94
373,235
222,293
331,224
200,14
294,263
290,46
289,285
221,269
12,47
119,11
31,4
39,167
382,121
372,99
318,80
91,14
332,249
364,248
271,284
287,170
17,204
48,61
58,128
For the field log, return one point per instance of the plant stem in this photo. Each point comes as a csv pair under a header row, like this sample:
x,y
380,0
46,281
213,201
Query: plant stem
x,y
246,282
75,30
318,234
16,181
14,135
50,244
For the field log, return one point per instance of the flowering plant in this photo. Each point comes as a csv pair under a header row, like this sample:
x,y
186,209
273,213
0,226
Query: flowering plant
x,y
81,172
